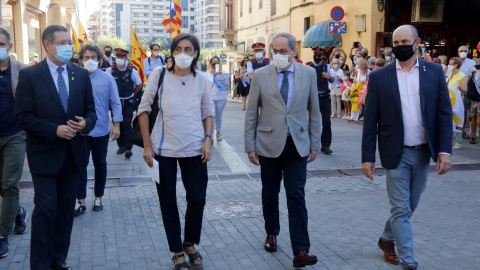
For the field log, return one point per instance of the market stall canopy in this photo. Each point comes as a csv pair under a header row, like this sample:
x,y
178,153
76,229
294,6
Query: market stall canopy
x,y
319,36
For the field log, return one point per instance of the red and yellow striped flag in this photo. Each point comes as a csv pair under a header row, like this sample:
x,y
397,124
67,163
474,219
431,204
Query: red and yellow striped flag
x,y
173,20
137,55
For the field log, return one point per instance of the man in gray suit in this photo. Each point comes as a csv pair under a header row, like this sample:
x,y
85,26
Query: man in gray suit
x,y
12,147
282,139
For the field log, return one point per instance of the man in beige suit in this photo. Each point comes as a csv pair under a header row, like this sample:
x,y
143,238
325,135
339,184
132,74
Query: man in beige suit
x,y
12,147
282,139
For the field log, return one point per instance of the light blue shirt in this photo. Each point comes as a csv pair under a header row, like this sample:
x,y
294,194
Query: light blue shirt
x,y
149,67
291,81
105,94
467,66
53,70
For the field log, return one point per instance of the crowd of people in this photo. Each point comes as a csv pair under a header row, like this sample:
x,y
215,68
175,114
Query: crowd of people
x,y
86,99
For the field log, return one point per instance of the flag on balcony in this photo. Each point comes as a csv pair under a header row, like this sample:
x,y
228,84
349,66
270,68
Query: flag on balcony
x,y
76,44
81,32
137,54
173,20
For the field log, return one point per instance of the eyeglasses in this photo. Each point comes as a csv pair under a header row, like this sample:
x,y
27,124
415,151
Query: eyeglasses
x,y
63,43
93,57
282,52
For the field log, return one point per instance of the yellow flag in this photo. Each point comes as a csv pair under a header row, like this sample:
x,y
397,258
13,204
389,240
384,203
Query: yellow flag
x,y
81,32
137,54
76,44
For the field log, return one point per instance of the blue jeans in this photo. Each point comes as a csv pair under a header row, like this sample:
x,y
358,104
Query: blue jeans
x,y
405,185
219,105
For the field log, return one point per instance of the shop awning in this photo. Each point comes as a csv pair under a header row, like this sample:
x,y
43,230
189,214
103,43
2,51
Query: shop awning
x,y
319,36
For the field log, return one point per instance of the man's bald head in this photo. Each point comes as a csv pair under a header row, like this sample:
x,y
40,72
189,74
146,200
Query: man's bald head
x,y
407,28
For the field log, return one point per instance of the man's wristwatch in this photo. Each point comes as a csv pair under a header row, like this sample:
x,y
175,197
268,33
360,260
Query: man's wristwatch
x,y
208,136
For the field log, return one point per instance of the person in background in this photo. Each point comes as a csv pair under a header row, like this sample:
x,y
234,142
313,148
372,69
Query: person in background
x,y
336,85
105,95
437,60
259,61
108,53
354,50
359,80
337,54
35,60
346,87
426,56
75,60
243,87
219,98
371,63
55,122
184,137
343,65
128,84
80,41
12,148
459,79
365,53
380,62
168,61
297,60
154,60
444,60
473,110
466,68
388,58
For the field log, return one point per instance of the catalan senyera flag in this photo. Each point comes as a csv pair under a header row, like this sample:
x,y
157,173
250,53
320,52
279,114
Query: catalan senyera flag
x,y
173,20
76,44
81,32
137,55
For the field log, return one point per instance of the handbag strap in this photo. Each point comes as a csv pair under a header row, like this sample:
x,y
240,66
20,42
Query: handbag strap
x,y
160,81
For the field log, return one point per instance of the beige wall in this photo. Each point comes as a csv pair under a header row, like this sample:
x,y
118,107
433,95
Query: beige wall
x,y
320,11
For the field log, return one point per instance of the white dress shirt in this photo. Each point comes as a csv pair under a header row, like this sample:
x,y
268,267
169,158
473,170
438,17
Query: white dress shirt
x,y
409,86
53,70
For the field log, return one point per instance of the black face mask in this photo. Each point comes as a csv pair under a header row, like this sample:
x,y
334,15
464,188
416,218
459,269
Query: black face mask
x,y
404,52
107,54
317,59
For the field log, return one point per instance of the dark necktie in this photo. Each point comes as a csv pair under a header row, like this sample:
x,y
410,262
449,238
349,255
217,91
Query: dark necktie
x,y
284,87
62,89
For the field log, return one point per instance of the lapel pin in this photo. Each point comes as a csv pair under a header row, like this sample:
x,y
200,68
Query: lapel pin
x,y
424,68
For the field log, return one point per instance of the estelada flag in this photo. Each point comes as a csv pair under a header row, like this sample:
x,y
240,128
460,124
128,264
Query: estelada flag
x,y
137,55
76,44
81,32
173,20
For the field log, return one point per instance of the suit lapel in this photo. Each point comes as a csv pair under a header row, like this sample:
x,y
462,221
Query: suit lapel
x,y
394,86
71,85
275,87
48,80
422,70
297,82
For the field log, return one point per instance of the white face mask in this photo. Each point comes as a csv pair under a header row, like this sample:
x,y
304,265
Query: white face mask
x,y
183,61
90,65
335,66
281,61
259,55
462,55
345,78
156,53
450,67
35,59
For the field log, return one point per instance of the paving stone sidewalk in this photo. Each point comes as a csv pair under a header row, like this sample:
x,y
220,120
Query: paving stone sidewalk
x,y
347,215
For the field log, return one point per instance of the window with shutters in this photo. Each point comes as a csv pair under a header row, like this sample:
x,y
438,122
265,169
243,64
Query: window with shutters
x,y
273,7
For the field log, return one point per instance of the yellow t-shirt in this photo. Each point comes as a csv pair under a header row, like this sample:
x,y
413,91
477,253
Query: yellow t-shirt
x,y
455,80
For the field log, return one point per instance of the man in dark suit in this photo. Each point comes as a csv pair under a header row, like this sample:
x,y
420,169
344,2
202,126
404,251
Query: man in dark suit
x,y
54,105
408,106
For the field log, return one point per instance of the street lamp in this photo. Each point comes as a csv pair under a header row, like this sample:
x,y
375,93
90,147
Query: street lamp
x,y
381,5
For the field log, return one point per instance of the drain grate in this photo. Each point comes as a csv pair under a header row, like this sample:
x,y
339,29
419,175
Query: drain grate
x,y
233,209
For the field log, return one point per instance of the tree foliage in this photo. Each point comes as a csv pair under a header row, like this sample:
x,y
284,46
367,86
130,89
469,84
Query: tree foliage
x,y
115,42
206,54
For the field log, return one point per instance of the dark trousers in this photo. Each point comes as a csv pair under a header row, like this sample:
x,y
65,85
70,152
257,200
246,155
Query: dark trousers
x,y
325,110
126,130
52,217
98,146
294,170
195,179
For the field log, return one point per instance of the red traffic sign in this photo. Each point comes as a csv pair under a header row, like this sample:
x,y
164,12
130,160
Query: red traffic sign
x,y
337,13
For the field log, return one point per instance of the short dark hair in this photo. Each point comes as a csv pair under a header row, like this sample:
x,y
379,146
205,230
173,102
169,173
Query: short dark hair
x,y
108,46
167,57
193,39
80,40
4,32
93,49
380,62
49,33
242,63
153,45
211,59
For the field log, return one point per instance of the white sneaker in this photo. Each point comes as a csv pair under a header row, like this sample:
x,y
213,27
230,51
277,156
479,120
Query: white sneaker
x,y
332,116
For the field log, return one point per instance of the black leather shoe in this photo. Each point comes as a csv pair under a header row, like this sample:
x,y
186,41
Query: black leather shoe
x,y
60,266
128,153
121,150
326,150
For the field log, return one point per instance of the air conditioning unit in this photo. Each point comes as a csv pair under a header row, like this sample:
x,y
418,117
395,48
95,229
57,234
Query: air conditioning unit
x,y
427,11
